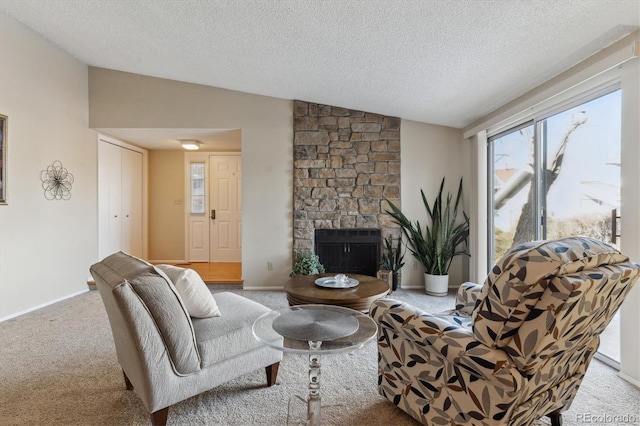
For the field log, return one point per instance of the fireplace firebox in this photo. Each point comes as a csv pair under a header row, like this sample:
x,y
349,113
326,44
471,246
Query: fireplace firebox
x,y
354,251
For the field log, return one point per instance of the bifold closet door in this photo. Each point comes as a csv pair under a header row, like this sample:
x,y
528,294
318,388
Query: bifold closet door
x,y
131,202
109,198
119,200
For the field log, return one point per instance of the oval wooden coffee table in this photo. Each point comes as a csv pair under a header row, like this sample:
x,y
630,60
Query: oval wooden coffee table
x,y
302,290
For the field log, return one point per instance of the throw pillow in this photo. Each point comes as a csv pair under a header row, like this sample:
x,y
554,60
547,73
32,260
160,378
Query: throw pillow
x,y
192,290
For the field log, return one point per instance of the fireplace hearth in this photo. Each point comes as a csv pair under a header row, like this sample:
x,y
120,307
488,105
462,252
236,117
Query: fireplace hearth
x,y
354,251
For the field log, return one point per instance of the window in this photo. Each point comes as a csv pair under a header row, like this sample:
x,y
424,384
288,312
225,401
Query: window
x,y
512,184
197,188
557,175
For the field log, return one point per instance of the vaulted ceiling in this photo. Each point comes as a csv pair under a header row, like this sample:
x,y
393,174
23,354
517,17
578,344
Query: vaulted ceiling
x,y
437,61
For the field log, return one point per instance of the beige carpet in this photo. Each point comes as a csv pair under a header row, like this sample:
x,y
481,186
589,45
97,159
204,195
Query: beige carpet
x,y
58,367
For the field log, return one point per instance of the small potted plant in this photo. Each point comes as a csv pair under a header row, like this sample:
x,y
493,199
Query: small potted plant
x,y
308,264
392,260
443,238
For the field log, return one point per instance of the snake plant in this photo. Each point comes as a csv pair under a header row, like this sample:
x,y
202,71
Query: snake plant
x,y
392,258
440,242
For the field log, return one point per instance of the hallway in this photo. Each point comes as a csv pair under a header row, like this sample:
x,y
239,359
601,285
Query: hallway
x,y
213,273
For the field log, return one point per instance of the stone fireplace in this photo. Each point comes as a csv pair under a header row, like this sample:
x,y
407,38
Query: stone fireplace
x,y
345,163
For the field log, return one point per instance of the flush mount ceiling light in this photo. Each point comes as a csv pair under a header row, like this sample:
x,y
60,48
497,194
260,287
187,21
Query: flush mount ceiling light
x,y
190,144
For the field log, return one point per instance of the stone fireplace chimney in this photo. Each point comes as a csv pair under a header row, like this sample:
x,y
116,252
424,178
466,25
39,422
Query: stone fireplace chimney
x,y
345,163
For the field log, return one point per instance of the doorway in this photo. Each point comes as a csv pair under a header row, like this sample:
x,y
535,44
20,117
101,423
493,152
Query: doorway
x,y
225,205
213,214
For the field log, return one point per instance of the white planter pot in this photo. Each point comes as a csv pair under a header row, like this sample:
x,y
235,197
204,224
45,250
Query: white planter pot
x,y
436,285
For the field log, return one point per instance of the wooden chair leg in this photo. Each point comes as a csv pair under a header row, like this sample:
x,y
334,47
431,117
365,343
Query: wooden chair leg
x,y
159,418
272,373
556,418
127,383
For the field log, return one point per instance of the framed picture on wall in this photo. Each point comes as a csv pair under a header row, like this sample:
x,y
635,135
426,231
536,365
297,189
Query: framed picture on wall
x,y
3,159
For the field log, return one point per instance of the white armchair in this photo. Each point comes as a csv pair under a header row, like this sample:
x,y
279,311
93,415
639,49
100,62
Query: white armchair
x,y
167,356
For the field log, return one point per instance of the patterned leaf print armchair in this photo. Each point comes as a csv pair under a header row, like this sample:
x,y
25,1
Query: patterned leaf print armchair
x,y
514,349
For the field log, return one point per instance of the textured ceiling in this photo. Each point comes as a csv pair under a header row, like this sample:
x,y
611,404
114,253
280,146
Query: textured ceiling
x,y
436,61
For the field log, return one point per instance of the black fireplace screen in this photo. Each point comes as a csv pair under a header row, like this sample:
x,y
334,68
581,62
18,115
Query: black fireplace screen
x,y
354,251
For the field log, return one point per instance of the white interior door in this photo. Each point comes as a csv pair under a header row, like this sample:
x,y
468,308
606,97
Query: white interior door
x,y
120,200
225,204
131,202
110,181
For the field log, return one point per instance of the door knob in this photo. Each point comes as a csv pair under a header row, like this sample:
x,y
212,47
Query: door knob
x,y
213,214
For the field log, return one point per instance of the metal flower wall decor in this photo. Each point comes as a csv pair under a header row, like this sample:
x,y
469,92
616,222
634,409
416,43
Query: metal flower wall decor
x,y
56,182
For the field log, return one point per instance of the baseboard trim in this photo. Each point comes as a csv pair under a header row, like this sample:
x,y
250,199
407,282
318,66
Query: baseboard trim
x,y
421,286
629,379
169,262
412,286
43,305
607,360
279,287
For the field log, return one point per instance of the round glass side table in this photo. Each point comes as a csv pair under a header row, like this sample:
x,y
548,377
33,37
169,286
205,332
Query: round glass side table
x,y
314,330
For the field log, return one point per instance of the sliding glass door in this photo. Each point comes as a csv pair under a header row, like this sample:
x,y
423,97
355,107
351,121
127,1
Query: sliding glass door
x,y
514,163
559,176
582,169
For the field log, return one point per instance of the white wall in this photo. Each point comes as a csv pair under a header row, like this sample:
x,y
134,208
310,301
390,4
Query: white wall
x,y
46,247
429,153
130,101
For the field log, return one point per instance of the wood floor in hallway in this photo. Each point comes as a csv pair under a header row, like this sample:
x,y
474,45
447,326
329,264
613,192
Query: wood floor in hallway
x,y
217,272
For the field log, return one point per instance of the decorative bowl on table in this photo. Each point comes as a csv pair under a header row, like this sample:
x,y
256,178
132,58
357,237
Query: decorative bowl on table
x,y
339,281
